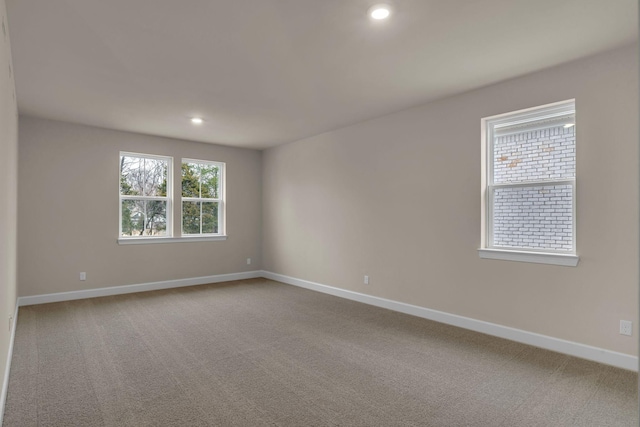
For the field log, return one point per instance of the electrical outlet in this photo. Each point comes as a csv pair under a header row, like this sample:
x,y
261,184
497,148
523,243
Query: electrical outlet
x,y
366,280
626,327
83,275
248,261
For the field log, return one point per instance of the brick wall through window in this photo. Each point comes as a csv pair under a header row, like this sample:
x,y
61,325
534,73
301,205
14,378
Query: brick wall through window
x,y
534,217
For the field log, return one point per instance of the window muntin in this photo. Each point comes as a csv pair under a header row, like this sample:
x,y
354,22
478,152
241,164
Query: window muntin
x,y
530,182
145,189
202,197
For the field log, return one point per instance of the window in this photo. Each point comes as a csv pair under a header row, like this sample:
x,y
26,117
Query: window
x,y
145,189
202,197
529,185
146,202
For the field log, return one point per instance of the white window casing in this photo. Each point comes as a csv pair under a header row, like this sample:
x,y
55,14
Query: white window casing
x,y
141,169
141,184
200,200
529,185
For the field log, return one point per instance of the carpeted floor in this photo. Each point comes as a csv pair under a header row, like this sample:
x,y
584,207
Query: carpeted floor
x,y
260,353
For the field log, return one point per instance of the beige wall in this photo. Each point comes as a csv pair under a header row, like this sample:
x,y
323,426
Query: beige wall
x,y
398,198
8,193
68,211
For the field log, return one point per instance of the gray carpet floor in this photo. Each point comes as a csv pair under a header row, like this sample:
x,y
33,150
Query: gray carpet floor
x,y
260,353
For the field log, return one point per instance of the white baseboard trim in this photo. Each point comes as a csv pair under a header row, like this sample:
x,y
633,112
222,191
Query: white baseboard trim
x,y
620,360
7,370
571,348
129,289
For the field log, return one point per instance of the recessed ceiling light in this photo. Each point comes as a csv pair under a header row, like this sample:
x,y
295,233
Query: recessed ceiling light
x,y
569,125
380,11
196,120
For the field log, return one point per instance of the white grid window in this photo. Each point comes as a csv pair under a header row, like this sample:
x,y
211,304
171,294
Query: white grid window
x,y
202,197
145,195
529,180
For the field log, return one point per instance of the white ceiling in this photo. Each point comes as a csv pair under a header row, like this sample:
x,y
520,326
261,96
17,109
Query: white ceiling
x,y
264,72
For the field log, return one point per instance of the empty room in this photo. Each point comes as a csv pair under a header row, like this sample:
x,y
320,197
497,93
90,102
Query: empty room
x,y
319,213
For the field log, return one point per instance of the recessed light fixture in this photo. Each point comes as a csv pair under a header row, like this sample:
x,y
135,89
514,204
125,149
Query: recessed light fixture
x,y
197,120
569,125
380,11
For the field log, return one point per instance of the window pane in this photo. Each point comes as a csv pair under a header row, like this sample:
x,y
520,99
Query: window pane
x,y
536,155
190,180
132,217
155,171
209,181
191,217
141,176
539,217
209,217
131,175
144,218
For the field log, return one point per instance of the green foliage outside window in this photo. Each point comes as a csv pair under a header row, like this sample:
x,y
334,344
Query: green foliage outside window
x,y
200,181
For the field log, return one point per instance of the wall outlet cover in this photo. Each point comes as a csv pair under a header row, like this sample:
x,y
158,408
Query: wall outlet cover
x,y
626,327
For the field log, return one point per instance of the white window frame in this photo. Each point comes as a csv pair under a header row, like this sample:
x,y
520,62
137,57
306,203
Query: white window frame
x,y
220,200
546,115
168,199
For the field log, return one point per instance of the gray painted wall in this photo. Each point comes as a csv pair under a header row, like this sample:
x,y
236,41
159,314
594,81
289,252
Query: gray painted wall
x,y
68,204
398,198
8,192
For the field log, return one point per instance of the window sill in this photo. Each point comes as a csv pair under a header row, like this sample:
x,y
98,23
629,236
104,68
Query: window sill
x,y
567,260
152,240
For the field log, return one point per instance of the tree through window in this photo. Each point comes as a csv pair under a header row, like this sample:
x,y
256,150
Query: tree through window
x,y
145,209
202,199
